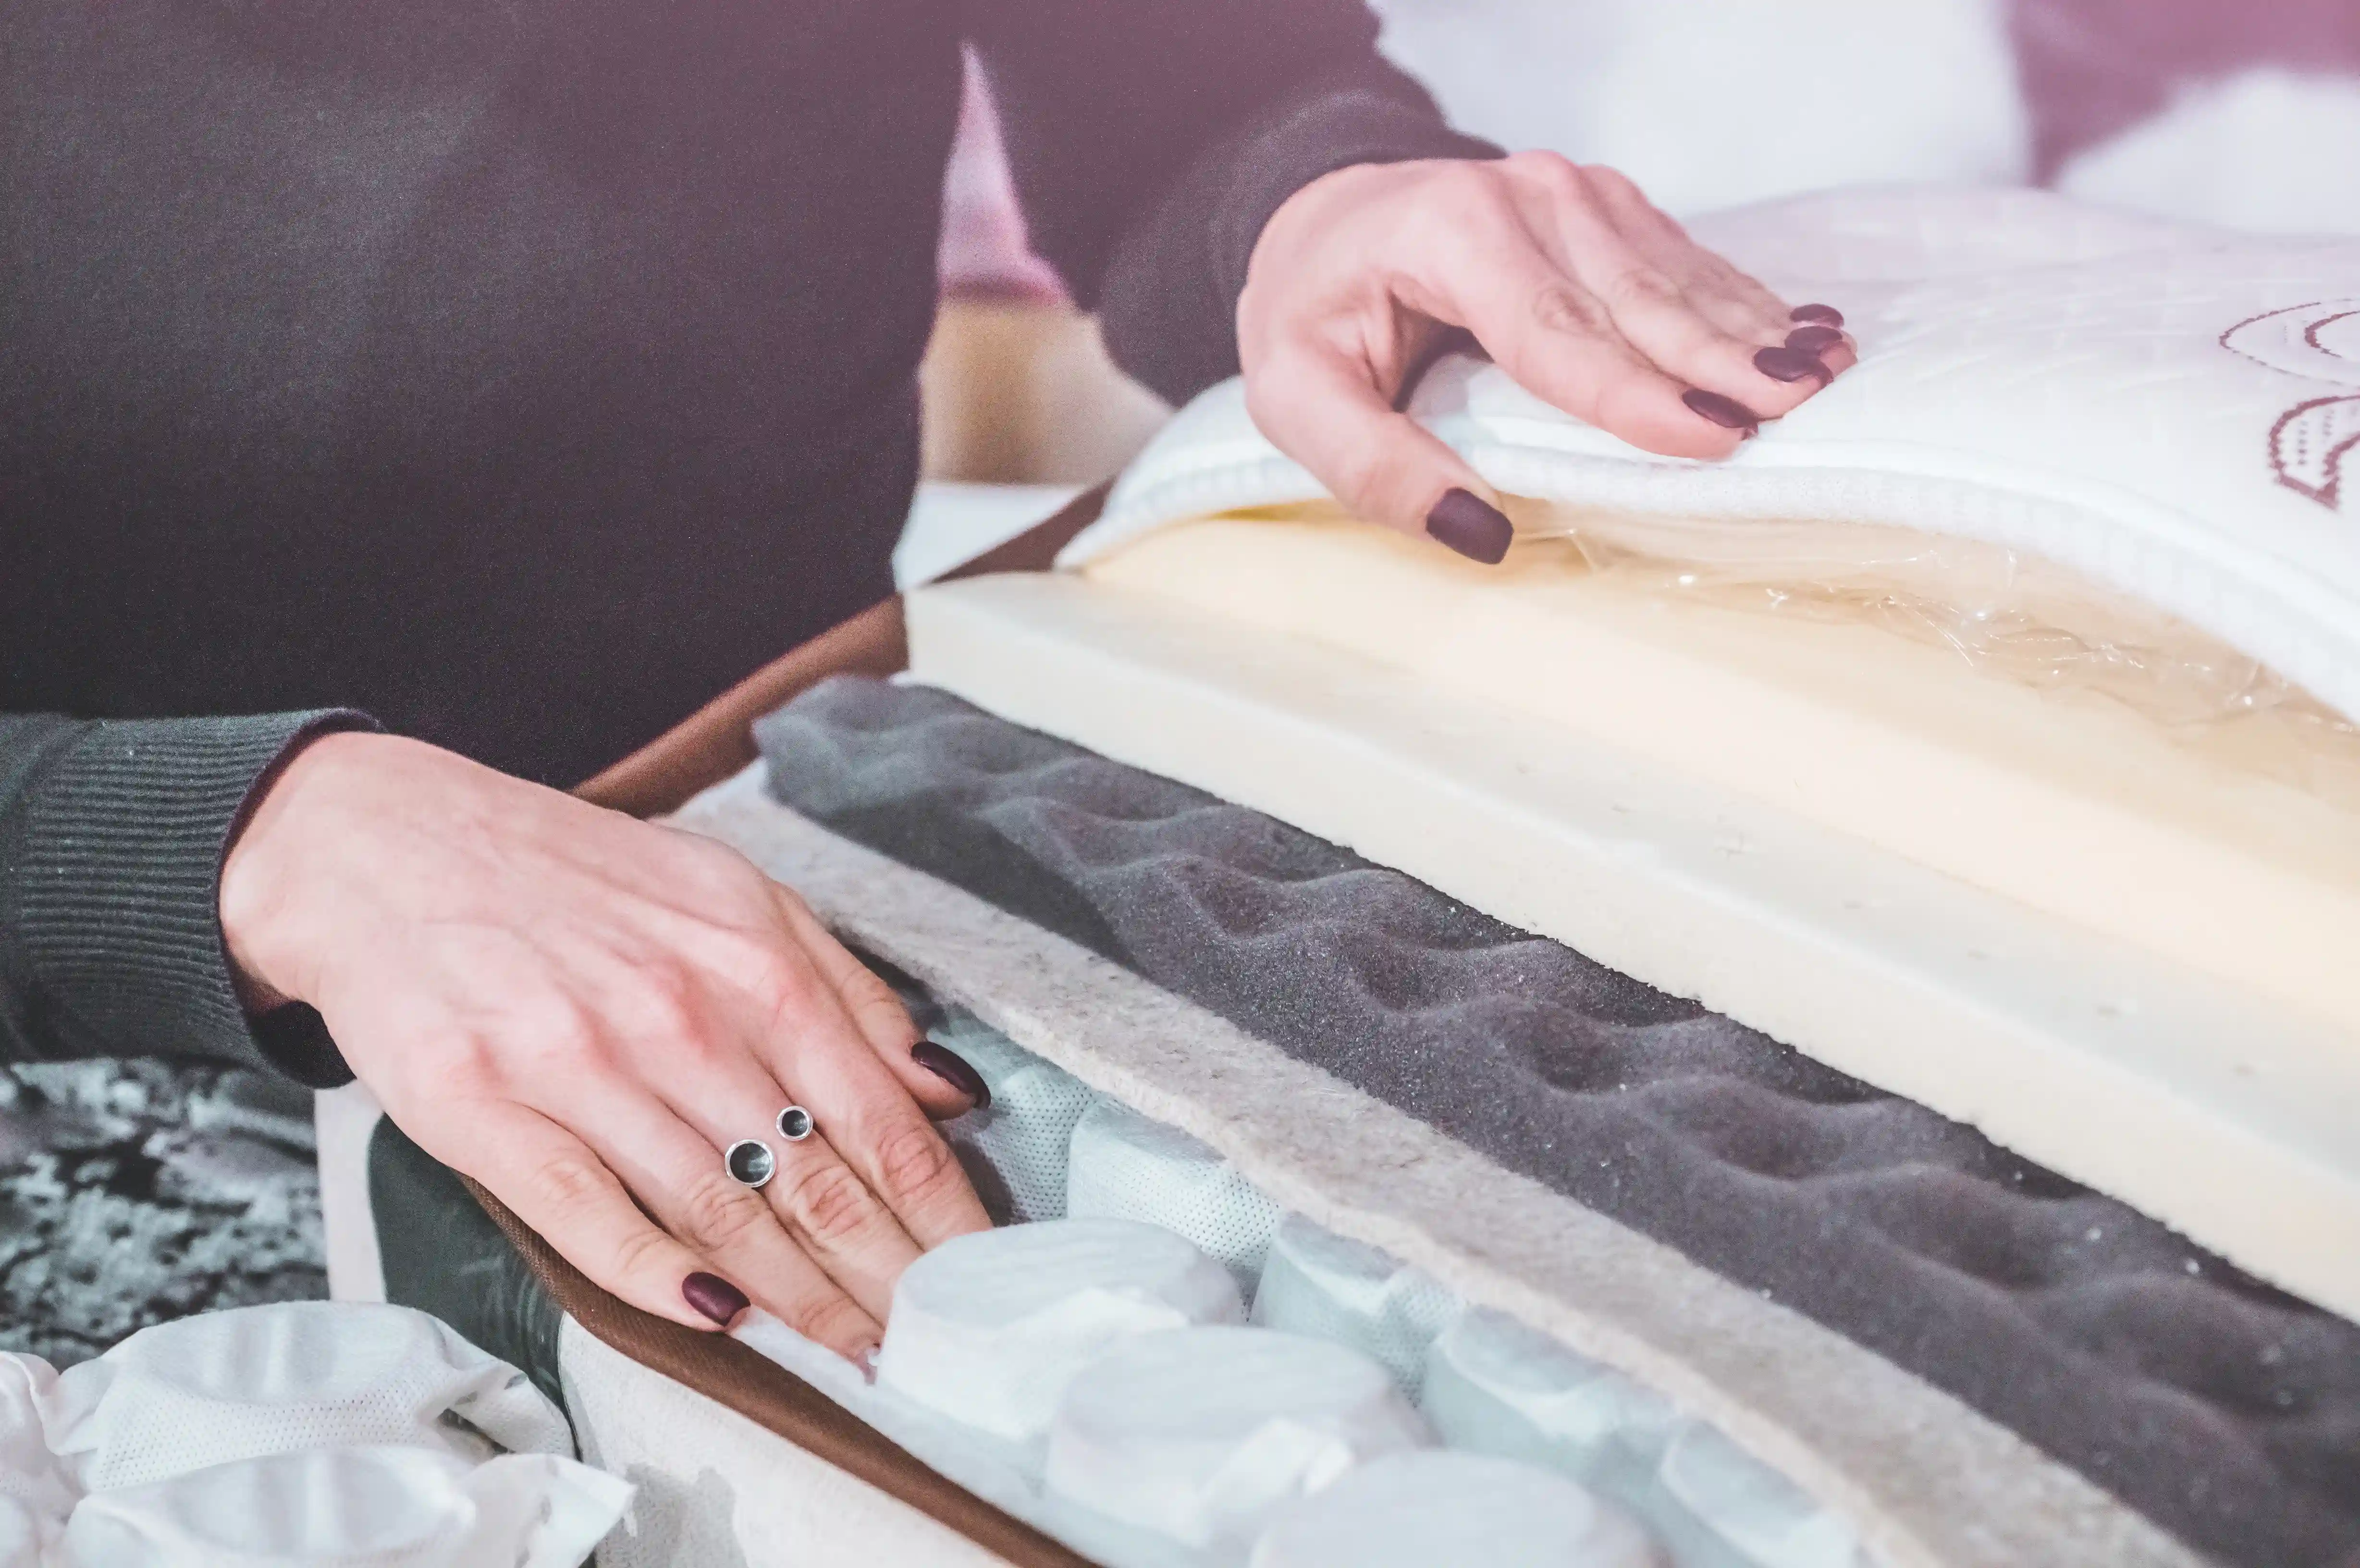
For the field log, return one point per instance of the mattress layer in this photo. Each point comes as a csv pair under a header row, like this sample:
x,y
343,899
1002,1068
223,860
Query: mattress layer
x,y
2170,411
1928,1480
2223,1410
2223,1116
2068,801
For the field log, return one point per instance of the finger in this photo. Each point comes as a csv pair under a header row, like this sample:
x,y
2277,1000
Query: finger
x,y
935,1076
810,1044
677,1169
1748,309
555,1183
1562,344
892,1152
1741,303
1650,310
1328,411
815,1209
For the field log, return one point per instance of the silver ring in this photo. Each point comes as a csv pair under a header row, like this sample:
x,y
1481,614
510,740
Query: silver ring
x,y
795,1124
749,1162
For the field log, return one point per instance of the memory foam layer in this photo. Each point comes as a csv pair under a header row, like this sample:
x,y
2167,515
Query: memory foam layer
x,y
1495,1109
2066,801
2219,1115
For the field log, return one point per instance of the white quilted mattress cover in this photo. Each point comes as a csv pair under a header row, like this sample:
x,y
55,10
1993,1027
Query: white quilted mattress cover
x,y
2170,410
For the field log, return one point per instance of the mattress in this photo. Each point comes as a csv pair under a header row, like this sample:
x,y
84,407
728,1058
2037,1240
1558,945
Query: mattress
x,y
2158,1372
1880,1007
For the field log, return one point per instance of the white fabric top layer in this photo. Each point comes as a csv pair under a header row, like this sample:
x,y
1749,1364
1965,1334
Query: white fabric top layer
x,y
2171,411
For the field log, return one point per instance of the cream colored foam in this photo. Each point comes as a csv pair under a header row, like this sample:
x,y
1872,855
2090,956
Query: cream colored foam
x,y
2218,1112
2067,802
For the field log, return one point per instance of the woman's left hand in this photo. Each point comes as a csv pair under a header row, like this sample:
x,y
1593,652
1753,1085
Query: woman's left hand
x,y
1565,275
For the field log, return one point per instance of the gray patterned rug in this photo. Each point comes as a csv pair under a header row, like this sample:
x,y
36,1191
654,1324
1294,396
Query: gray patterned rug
x,y
136,1191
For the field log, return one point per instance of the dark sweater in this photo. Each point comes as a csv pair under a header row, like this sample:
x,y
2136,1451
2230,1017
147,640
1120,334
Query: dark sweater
x,y
523,373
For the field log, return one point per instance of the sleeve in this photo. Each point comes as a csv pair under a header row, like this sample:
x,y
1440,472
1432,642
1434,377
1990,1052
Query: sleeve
x,y
1152,139
112,836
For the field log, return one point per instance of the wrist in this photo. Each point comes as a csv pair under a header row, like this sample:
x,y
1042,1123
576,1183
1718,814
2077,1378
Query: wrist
x,y
258,888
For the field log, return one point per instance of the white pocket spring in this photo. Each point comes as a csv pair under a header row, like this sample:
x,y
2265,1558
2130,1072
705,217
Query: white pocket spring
x,y
989,1329
1088,1373
1202,1436
1126,1166
1415,1510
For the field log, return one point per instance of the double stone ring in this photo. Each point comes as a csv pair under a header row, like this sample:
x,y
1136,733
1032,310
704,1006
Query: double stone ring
x,y
750,1162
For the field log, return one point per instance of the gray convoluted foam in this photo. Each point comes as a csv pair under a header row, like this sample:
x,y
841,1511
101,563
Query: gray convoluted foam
x,y
2224,1410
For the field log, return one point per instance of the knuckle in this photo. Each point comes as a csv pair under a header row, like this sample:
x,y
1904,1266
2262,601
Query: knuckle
x,y
1480,194
715,1213
828,1319
831,1204
644,1251
1561,308
1613,184
1553,173
915,1163
568,1185
1641,286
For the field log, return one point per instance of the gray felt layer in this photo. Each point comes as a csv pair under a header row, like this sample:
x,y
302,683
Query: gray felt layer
x,y
2224,1410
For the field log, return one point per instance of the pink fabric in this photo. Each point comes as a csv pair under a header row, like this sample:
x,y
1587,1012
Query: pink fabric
x,y
984,251
2091,69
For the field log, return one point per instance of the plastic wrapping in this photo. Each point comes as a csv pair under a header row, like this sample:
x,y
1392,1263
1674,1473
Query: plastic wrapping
x,y
988,1329
263,1380
1417,1511
1125,1166
1015,1149
355,1508
1330,1286
1201,1436
309,1434
2003,612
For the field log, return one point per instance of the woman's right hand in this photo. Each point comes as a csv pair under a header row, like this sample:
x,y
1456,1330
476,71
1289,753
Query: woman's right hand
x,y
579,1009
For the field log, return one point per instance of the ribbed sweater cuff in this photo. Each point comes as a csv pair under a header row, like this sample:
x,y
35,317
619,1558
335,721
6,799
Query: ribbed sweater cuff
x,y
119,887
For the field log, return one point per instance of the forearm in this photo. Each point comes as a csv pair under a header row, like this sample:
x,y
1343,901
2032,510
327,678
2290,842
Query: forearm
x,y
112,833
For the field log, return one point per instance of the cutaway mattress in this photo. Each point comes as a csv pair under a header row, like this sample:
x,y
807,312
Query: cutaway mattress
x,y
2221,1409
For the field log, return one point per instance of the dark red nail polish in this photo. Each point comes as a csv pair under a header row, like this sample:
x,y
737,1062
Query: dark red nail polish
x,y
1791,364
1727,412
715,1297
1471,526
1825,315
954,1070
1814,340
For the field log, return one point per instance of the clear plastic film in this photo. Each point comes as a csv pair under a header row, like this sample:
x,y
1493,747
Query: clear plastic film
x,y
2005,613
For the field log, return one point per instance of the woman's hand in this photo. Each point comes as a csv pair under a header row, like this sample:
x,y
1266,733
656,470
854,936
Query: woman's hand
x,y
1565,275
578,1009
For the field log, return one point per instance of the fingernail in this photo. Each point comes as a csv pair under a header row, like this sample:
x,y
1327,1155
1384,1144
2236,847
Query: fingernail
x,y
1727,412
954,1070
1791,364
1826,315
866,1359
715,1297
1471,526
1814,340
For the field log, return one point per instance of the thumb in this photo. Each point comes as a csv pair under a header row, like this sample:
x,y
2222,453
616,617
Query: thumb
x,y
1323,409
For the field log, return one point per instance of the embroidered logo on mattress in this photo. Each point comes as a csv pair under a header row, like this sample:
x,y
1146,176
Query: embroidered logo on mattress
x,y
2319,341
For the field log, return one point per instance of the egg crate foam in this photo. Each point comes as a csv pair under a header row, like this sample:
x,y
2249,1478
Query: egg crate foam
x,y
1802,1215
